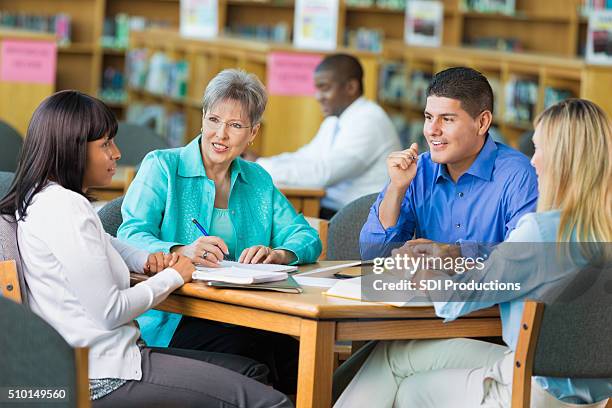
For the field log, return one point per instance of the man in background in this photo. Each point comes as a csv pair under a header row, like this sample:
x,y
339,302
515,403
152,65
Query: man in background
x,y
347,155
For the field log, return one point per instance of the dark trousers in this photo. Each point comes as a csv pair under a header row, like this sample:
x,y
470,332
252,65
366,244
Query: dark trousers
x,y
277,351
191,378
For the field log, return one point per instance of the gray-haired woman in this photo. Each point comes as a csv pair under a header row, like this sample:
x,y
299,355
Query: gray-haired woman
x,y
247,219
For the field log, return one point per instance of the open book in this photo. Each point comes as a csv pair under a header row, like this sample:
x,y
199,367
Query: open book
x,y
245,274
351,289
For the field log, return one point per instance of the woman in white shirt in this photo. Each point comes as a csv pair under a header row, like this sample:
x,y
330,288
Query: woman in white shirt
x,y
78,276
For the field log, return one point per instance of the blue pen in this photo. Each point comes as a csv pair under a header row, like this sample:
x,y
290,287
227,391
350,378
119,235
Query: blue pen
x,y
203,231
200,227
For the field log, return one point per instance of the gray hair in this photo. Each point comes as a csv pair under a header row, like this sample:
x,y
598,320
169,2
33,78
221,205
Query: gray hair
x,y
240,86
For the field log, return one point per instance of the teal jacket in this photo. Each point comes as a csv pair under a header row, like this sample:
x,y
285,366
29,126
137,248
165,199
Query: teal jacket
x,y
171,188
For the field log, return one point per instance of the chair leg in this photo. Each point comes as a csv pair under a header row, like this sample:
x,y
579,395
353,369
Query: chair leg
x,y
525,352
9,281
81,359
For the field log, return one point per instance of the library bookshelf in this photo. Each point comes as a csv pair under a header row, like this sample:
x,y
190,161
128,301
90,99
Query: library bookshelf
x,y
544,71
81,63
551,33
290,122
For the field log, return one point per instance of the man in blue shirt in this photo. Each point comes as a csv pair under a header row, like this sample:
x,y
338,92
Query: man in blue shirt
x,y
467,189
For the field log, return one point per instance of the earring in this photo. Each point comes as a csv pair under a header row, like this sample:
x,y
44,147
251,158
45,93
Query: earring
x,y
201,130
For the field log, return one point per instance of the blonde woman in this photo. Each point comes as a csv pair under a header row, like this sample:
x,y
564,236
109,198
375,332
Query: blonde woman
x,y
573,160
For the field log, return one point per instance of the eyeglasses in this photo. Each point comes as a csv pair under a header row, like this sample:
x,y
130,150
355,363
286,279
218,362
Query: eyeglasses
x,y
233,128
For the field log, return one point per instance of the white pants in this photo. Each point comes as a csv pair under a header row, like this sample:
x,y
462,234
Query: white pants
x,y
439,374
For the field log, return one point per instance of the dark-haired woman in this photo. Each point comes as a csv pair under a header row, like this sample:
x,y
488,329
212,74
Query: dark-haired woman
x,y
78,276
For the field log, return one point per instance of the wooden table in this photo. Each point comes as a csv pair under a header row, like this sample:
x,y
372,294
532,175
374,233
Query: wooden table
x,y
319,321
306,200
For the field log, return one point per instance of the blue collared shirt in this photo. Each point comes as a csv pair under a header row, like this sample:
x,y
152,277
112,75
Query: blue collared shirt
x,y
482,207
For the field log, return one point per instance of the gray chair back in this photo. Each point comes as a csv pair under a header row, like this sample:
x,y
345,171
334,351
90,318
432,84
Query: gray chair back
x,y
576,328
6,178
135,141
11,142
9,250
110,215
34,354
344,229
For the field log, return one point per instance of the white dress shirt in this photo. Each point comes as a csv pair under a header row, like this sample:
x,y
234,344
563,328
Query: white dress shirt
x,y
78,281
347,156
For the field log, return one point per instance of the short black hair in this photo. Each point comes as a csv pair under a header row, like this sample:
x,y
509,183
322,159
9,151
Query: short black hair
x,y
55,146
466,85
344,68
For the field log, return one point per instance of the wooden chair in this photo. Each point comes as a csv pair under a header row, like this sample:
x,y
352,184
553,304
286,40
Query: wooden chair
x,y
321,226
568,337
33,353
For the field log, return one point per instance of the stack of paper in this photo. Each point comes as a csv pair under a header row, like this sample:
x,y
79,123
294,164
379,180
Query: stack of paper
x,y
351,289
245,274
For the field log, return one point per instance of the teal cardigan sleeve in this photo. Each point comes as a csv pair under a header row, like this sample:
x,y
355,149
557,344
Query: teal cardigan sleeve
x,y
292,232
143,207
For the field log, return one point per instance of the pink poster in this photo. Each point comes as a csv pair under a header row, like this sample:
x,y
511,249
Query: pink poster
x,y
291,73
28,61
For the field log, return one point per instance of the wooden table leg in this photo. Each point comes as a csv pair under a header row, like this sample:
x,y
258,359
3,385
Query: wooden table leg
x,y
316,364
311,207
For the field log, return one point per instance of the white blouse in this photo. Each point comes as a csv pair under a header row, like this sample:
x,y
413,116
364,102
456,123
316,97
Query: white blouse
x,y
78,280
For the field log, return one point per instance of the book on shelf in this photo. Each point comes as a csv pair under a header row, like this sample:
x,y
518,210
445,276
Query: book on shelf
x,y
159,74
59,24
171,126
392,82
555,95
521,100
116,29
385,4
315,24
365,39
199,18
489,6
424,23
588,7
113,86
279,32
599,38
136,67
417,88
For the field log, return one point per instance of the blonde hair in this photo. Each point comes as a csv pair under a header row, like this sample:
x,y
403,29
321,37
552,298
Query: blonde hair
x,y
577,138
